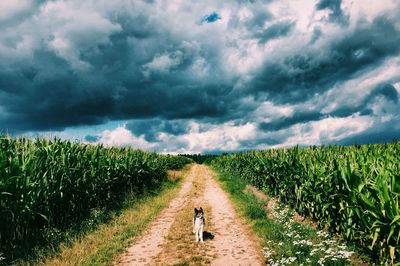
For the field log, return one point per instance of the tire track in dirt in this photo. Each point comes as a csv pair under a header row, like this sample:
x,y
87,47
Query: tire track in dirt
x,y
233,240
169,240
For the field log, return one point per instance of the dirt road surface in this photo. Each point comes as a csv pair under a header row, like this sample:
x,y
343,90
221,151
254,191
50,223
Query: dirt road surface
x,y
168,240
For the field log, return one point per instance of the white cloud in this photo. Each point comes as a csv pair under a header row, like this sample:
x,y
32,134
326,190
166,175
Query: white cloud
x,y
327,130
200,138
268,111
397,87
353,91
224,137
68,28
302,11
11,8
163,63
121,136
74,28
368,9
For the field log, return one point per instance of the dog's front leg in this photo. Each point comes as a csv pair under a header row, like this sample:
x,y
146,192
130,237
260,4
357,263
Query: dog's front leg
x,y
201,234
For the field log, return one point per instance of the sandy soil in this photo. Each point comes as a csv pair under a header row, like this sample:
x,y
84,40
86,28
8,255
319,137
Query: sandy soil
x,y
169,240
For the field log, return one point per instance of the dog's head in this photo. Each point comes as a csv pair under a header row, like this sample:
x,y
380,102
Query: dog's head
x,y
198,212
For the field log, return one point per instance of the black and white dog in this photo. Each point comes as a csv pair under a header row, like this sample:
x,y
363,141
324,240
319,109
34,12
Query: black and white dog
x,y
198,224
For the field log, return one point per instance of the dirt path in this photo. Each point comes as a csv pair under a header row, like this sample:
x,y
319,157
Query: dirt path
x,y
233,240
169,240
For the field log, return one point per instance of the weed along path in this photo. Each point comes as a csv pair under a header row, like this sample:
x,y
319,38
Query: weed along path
x,y
168,240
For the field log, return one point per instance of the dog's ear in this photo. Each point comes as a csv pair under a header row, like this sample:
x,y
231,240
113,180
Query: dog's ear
x,y
201,209
195,210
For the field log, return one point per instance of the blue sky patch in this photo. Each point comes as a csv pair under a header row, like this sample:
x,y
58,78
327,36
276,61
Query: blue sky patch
x,y
213,17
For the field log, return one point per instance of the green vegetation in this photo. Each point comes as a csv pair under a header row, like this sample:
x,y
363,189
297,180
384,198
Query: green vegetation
x,y
285,241
200,158
102,244
351,190
46,186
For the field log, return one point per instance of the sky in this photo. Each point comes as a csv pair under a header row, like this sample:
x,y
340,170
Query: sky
x,y
201,76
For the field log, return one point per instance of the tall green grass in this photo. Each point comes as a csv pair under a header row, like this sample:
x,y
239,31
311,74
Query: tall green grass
x,y
48,185
352,190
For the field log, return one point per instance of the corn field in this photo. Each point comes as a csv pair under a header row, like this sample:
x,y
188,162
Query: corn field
x,y
351,190
53,184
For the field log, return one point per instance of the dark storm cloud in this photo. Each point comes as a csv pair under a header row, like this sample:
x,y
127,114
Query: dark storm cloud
x,y
151,128
298,117
274,31
260,17
70,63
386,90
384,133
364,108
41,99
317,33
298,77
336,14
123,81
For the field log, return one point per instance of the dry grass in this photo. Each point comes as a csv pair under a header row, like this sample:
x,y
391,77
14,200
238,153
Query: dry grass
x,y
173,175
102,245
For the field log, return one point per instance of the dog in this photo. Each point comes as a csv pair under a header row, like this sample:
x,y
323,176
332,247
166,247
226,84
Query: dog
x,y
198,224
